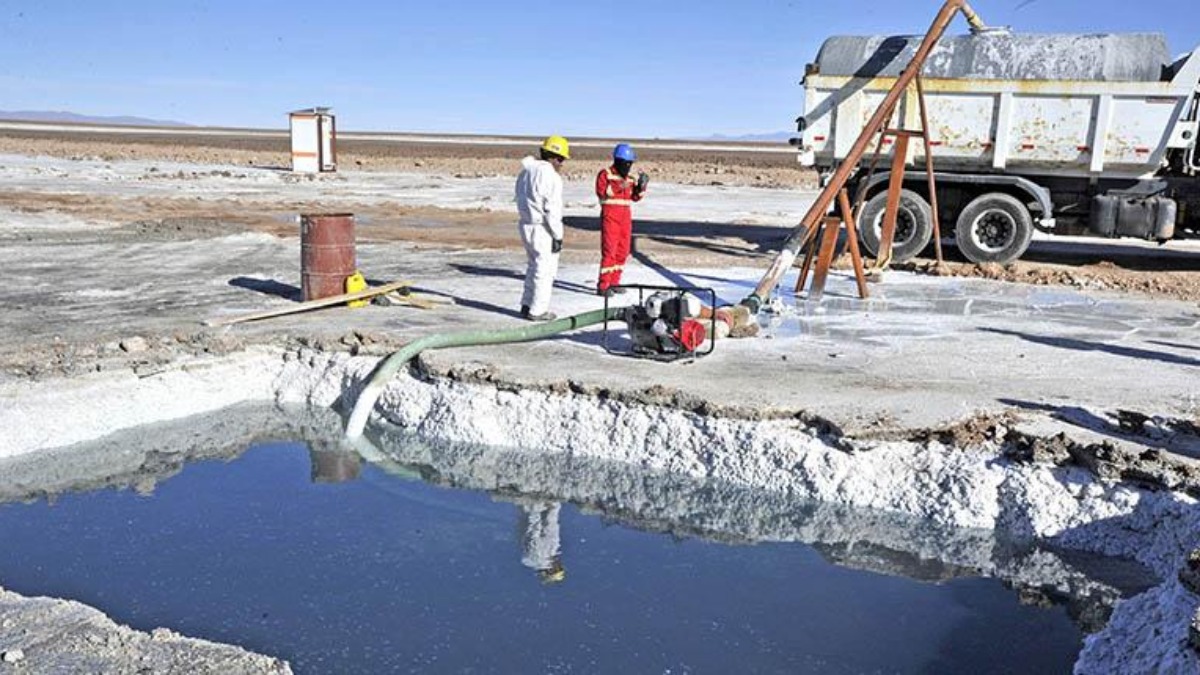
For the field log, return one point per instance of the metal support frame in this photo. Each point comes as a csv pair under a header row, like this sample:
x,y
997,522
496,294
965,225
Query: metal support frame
x,y
896,182
822,253
933,198
784,261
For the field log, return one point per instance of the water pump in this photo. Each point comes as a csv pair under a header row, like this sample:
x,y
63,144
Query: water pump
x,y
664,324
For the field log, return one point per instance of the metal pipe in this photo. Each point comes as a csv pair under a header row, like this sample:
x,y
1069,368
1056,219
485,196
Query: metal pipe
x,y
392,364
849,218
887,235
933,198
787,257
977,24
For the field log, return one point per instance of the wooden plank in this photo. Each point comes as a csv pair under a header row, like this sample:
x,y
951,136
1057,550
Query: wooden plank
x,y
311,304
420,302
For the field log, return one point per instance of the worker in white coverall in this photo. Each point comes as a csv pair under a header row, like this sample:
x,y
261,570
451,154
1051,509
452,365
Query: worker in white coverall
x,y
540,540
540,205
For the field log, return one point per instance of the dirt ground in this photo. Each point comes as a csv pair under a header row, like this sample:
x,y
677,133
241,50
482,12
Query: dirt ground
x,y
130,218
1168,272
112,266
468,160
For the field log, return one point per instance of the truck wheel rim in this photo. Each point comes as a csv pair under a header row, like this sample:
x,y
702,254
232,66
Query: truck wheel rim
x,y
905,228
993,230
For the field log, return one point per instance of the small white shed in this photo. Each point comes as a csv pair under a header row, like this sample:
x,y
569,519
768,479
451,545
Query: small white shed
x,y
314,140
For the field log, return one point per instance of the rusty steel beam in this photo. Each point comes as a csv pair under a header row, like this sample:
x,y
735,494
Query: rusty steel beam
x,y
852,244
787,257
892,210
933,198
828,243
809,247
821,250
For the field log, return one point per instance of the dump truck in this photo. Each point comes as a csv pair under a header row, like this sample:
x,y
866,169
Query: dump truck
x,y
1066,134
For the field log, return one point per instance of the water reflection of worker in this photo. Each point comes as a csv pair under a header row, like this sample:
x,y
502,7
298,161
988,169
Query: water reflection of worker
x,y
540,540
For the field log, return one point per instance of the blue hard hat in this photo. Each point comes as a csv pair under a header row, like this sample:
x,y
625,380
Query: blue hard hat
x,y
624,151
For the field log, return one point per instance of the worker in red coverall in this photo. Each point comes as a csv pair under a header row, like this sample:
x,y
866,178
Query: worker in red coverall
x,y
617,191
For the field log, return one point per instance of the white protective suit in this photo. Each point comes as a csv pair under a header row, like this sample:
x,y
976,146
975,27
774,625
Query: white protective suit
x,y
540,205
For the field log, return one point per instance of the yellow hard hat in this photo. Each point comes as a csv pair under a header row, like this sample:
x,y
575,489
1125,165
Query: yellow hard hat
x,y
558,145
554,574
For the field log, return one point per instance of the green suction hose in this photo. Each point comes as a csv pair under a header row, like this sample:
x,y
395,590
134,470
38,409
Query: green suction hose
x,y
393,363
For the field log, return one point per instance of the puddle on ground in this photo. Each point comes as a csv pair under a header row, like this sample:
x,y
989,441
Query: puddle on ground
x,y
916,308
452,559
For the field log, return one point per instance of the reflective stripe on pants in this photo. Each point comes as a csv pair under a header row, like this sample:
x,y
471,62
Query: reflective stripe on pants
x,y
615,230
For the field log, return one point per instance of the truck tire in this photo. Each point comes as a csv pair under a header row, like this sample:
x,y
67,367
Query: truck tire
x,y
914,225
994,228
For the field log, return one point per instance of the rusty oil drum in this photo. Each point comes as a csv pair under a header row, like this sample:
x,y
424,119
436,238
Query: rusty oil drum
x,y
327,254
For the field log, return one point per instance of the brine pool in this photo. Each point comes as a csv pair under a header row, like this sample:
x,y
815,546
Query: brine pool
x,y
340,565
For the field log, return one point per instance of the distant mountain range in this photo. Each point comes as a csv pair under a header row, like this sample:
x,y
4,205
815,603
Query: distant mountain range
x,y
773,137
127,120
63,116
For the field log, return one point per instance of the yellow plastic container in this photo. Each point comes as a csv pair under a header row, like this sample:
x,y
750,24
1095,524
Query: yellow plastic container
x,y
355,283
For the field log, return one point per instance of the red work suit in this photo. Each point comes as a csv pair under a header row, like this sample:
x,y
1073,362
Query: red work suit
x,y
617,195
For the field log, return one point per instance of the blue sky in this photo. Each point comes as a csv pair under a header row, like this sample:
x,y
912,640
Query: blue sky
x,y
661,68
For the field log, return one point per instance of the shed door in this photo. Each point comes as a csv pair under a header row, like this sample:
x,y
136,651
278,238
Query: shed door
x,y
305,145
328,144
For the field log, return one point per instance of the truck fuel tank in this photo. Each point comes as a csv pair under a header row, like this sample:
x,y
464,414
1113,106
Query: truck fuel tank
x,y
1115,215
